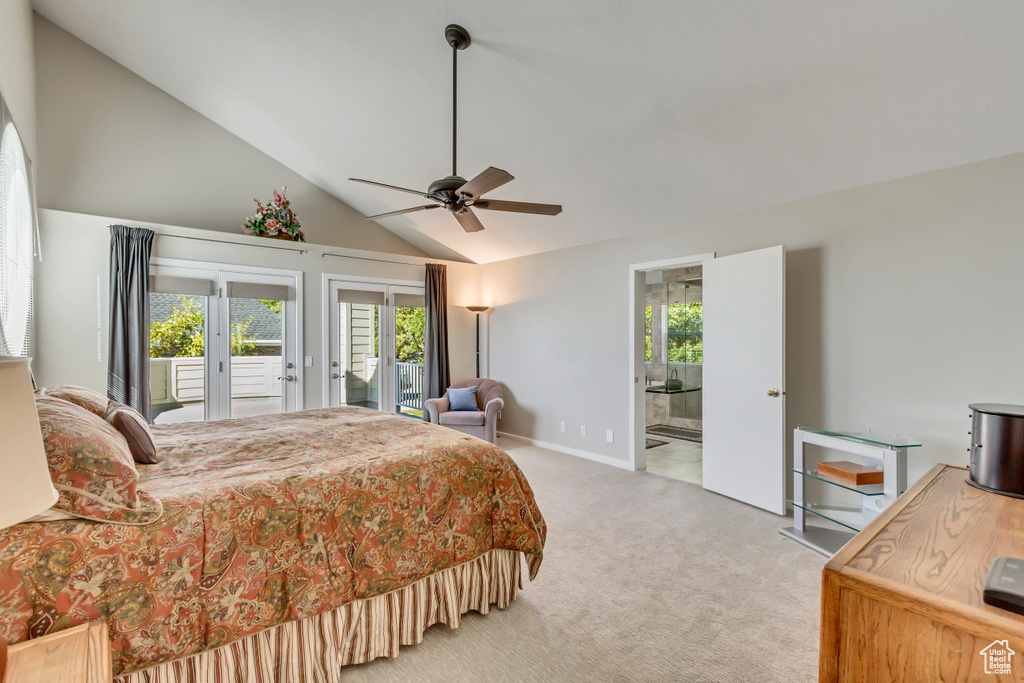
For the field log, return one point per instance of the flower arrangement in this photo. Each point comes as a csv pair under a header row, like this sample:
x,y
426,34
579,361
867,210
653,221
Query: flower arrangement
x,y
275,219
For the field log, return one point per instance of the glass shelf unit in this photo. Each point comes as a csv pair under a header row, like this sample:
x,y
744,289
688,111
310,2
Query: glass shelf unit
x,y
889,451
849,517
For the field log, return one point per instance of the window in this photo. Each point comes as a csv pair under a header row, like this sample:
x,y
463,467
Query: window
x,y
17,232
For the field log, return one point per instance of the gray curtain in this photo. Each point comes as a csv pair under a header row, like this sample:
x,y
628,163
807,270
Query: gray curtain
x,y
128,358
436,375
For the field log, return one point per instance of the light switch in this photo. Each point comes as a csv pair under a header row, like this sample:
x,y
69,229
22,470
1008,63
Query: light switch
x,y
309,361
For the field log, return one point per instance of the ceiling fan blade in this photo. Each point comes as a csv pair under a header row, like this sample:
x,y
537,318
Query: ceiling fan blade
x,y
468,220
400,212
518,207
392,187
485,182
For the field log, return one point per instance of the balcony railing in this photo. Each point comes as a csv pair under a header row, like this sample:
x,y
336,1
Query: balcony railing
x,y
409,385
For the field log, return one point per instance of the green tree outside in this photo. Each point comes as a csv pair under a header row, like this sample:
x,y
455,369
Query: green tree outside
x,y
685,333
409,325
182,334
272,304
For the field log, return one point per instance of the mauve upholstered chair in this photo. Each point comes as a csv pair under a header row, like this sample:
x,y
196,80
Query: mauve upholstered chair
x,y
481,423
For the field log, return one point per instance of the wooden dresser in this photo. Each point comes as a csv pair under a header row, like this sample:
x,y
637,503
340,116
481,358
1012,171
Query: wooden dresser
x,y
902,601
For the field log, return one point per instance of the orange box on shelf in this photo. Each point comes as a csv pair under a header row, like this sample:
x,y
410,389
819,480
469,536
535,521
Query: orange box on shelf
x,y
851,472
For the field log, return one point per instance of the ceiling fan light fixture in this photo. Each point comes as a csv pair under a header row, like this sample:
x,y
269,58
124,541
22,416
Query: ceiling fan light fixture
x,y
454,192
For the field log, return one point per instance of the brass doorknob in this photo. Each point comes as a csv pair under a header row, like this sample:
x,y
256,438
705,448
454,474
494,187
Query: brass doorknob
x,y
774,393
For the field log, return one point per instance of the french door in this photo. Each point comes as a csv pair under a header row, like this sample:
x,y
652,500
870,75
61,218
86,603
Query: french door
x,y
375,346
223,342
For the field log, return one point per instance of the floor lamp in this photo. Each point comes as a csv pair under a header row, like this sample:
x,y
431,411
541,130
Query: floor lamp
x,y
478,310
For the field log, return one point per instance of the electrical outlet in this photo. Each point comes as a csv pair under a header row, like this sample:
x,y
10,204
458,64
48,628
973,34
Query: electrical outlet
x,y
609,436
583,430
563,426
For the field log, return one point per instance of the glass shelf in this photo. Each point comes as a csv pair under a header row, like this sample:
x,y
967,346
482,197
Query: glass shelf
x,y
846,516
867,436
863,489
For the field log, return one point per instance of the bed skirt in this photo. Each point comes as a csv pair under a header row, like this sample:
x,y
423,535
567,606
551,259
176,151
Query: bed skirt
x,y
313,650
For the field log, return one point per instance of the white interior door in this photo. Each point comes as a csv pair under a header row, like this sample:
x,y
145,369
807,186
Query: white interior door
x,y
744,377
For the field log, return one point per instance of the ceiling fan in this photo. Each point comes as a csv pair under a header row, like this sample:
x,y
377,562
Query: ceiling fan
x,y
454,192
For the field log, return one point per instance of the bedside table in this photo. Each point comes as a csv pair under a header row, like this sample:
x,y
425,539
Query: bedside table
x,y
80,654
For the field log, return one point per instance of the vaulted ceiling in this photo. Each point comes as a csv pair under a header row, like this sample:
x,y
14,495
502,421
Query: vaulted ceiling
x,y
634,115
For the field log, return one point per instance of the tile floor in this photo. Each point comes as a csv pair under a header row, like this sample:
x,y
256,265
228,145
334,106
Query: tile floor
x,y
678,459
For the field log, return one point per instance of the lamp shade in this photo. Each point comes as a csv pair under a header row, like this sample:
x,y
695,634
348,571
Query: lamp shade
x,y
478,309
25,485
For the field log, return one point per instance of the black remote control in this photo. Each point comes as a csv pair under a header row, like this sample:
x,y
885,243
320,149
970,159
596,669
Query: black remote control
x,y
1004,586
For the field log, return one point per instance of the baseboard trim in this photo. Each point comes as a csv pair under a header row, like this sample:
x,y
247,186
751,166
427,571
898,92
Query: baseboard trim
x,y
587,455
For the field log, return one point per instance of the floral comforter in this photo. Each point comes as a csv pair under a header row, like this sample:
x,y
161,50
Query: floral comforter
x,y
268,519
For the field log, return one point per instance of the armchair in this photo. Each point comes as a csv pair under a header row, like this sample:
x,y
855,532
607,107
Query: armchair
x,y
481,423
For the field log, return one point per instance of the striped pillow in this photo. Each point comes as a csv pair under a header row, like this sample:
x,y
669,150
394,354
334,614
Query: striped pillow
x,y
135,431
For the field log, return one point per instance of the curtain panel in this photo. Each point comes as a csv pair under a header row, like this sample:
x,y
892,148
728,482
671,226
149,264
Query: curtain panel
x,y
436,373
128,357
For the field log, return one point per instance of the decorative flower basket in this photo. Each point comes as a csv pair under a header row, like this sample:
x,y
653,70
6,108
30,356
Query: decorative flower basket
x,y
276,219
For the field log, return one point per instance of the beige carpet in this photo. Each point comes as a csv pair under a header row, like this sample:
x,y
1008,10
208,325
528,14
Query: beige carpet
x,y
644,579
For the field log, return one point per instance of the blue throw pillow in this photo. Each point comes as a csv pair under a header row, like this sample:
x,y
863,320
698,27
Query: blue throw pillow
x,y
462,399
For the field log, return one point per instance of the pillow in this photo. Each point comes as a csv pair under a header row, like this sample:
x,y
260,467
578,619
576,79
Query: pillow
x,y
135,431
92,401
462,399
91,466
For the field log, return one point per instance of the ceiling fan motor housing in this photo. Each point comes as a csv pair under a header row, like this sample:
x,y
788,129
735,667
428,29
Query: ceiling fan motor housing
x,y
445,190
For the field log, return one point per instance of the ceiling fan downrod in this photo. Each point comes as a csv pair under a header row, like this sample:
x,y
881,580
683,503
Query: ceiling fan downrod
x,y
458,38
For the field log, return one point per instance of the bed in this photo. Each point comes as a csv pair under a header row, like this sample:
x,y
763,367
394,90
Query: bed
x,y
287,547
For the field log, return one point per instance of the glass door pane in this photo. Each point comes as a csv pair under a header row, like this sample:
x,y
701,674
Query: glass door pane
x,y
356,364
257,356
178,326
410,319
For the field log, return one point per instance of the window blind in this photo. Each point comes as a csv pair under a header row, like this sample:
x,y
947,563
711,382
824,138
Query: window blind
x,y
359,296
172,284
258,290
410,300
17,242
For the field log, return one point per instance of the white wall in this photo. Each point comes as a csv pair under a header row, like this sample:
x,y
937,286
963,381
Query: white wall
x,y
17,68
113,144
72,293
904,305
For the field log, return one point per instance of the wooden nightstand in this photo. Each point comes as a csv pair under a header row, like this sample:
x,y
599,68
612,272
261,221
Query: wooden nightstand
x,y
80,654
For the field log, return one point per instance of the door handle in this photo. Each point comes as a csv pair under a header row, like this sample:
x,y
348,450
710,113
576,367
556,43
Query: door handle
x,y
774,393
288,378
335,375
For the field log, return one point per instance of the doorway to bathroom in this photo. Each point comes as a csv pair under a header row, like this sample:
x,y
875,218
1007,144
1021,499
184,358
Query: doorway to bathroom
x,y
673,379
710,360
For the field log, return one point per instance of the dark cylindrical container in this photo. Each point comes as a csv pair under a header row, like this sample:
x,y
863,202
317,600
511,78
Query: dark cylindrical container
x,y
997,448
